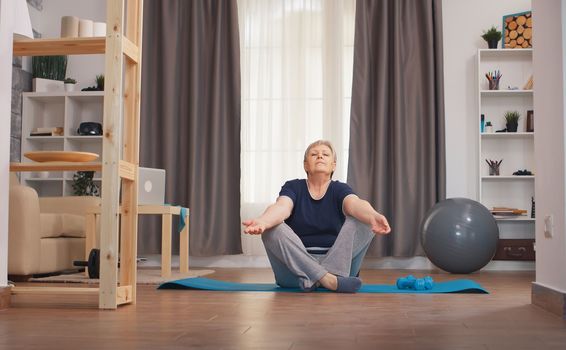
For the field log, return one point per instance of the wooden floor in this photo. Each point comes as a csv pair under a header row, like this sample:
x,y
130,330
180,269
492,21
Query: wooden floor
x,y
504,319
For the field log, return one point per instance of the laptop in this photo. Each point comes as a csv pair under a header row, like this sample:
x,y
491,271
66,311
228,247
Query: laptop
x,y
151,186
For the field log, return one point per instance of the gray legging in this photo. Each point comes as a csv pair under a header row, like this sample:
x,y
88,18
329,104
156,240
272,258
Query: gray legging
x,y
294,267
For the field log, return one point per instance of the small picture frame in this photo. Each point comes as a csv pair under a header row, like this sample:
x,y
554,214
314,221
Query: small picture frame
x,y
517,30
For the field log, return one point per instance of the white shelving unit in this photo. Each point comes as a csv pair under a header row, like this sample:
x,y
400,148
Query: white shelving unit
x,y
59,109
516,149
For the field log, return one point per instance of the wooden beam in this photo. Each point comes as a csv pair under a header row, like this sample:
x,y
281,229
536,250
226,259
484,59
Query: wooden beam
x,y
159,209
134,21
90,235
128,234
62,46
166,220
132,92
131,51
56,166
184,246
124,295
127,170
54,290
111,149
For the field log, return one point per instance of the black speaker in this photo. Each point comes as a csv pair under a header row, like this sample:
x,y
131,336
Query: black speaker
x,y
90,129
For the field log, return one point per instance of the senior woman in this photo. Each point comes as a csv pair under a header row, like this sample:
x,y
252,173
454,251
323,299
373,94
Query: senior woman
x,y
318,230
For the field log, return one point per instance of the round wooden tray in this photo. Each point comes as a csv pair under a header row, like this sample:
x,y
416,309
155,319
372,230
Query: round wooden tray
x,y
61,156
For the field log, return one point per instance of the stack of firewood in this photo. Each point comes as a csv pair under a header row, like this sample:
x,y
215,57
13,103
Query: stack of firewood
x,y
519,31
507,212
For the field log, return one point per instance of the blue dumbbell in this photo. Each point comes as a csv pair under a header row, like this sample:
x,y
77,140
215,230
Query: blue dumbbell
x,y
423,283
406,282
428,282
410,282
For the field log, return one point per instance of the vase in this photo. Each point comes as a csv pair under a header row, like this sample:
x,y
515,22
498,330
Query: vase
x,y
69,27
512,127
69,87
530,121
492,44
44,85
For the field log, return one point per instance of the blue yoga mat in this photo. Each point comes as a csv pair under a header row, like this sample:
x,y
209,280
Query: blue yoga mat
x,y
200,283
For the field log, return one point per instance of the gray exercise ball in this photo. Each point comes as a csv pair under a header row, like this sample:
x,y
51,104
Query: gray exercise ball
x,y
459,235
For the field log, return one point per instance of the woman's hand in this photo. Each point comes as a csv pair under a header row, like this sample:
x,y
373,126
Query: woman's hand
x,y
379,224
254,227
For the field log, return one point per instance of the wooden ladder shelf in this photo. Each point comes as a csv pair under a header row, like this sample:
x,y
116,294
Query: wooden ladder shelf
x,y
120,148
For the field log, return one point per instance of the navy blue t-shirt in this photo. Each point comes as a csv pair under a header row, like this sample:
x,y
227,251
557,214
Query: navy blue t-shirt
x,y
316,222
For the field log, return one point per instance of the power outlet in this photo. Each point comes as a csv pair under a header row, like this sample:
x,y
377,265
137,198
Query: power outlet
x,y
548,226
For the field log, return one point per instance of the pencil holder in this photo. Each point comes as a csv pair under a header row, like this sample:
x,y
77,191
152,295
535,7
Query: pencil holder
x,y
494,84
493,166
493,79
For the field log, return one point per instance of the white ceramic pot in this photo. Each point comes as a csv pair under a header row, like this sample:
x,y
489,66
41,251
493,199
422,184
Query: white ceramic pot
x,y
69,87
44,85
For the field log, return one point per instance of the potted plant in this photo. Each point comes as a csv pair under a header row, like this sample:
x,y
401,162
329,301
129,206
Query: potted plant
x,y
512,120
83,184
69,84
100,82
48,72
492,37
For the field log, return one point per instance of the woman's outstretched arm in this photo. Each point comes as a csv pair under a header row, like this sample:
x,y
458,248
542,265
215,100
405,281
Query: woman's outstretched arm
x,y
275,214
363,211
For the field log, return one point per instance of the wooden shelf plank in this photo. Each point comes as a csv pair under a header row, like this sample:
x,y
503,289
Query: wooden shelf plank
x,y
516,219
497,53
56,166
486,93
489,135
159,209
60,46
54,290
509,177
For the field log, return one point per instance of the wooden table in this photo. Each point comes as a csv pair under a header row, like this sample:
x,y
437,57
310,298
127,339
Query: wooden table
x,y
166,212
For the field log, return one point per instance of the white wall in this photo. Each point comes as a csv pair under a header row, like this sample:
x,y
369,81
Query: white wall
x,y
5,108
463,24
549,101
84,68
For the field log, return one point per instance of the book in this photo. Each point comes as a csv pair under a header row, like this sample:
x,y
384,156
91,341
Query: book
x,y
47,131
529,84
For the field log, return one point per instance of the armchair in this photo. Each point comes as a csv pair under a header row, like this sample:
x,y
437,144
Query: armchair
x,y
45,234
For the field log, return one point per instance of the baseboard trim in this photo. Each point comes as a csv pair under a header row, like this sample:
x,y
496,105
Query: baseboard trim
x,y
5,296
549,299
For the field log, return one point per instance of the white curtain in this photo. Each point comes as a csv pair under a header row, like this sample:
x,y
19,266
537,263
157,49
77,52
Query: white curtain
x,y
296,64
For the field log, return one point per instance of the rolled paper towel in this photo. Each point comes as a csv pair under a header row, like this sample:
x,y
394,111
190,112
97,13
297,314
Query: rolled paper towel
x,y
99,29
69,27
85,28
